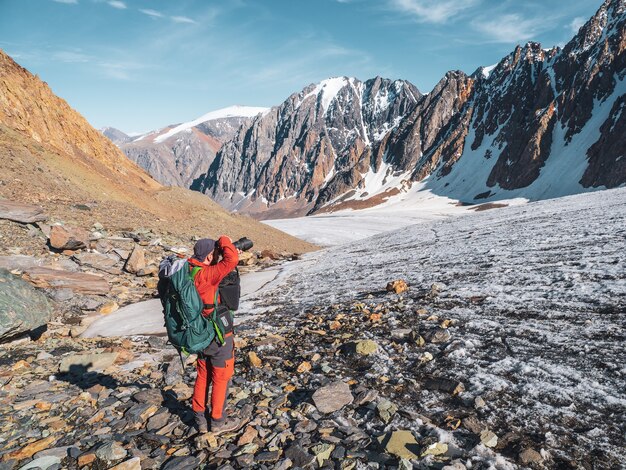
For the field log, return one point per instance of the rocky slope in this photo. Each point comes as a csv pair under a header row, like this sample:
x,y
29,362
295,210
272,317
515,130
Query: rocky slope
x,y
178,154
53,158
286,157
502,353
542,123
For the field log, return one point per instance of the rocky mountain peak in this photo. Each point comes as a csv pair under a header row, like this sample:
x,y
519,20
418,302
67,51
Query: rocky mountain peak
x,y
286,156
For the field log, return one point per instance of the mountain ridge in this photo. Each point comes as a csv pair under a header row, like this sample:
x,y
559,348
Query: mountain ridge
x,y
518,124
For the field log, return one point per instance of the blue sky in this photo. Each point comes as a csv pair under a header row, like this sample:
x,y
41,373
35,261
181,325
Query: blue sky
x,y
142,64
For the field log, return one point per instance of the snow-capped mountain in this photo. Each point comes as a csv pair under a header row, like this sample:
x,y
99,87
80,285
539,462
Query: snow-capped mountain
x,y
286,157
115,135
178,154
541,123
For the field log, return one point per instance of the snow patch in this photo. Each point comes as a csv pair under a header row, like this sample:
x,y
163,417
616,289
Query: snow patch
x,y
231,111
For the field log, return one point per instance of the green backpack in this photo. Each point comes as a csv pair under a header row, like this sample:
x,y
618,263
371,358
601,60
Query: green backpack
x,y
187,329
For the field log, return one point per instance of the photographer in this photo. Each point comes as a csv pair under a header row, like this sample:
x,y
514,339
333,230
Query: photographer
x,y
216,363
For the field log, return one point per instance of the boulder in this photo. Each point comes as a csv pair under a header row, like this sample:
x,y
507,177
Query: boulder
x,y
68,238
402,444
136,262
20,212
106,263
22,308
59,279
332,397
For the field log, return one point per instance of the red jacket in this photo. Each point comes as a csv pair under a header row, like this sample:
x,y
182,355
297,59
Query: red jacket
x,y
209,277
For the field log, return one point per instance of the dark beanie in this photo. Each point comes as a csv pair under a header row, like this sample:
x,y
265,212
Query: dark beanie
x,y
202,248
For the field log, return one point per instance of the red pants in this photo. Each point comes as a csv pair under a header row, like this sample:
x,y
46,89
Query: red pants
x,y
216,366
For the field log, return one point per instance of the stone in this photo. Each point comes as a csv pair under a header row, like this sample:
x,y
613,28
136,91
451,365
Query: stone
x,y
248,436
136,261
398,286
479,402
267,457
425,357
438,448
131,464
254,360
299,457
158,421
153,396
304,367
19,262
444,385
68,238
438,335
30,449
22,308
83,283
528,456
386,409
138,414
332,397
284,464
21,212
181,463
402,444
60,452
106,263
111,451
366,347
488,438
322,452
366,396
42,463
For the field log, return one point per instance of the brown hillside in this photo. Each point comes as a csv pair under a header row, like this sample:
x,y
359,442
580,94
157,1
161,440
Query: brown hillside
x,y
51,156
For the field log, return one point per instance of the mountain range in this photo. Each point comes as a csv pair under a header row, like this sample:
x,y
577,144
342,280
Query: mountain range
x,y
53,158
541,123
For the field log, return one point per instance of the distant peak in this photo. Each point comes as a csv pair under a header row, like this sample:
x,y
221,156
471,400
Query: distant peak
x,y
236,111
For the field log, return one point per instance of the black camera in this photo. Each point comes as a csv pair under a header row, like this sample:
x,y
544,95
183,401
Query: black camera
x,y
243,244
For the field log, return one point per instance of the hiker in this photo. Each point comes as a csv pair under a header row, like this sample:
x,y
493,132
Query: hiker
x,y
216,363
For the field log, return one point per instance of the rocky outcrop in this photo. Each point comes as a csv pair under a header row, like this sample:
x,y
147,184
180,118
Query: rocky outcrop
x,y
28,106
22,308
319,137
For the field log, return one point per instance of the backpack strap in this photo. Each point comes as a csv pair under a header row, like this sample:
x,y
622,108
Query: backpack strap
x,y
218,332
194,271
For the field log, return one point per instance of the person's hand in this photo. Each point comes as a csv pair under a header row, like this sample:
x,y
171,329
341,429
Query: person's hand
x,y
239,251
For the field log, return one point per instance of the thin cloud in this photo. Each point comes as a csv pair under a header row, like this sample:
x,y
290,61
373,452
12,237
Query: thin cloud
x,y
71,57
576,24
117,4
432,11
152,13
510,28
182,19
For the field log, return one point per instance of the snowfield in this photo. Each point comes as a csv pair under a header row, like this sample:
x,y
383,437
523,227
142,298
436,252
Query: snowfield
x,y
539,294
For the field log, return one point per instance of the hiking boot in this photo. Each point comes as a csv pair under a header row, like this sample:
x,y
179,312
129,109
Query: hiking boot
x,y
227,425
201,422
